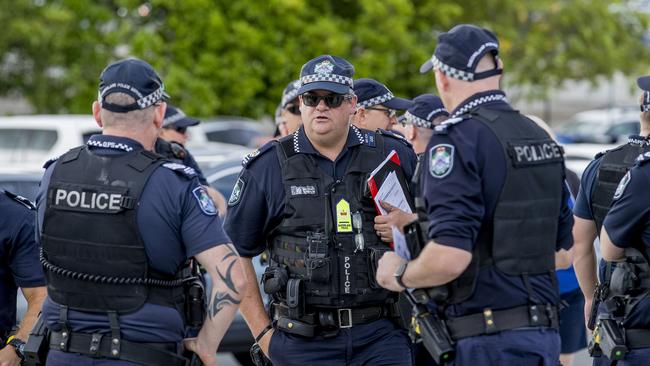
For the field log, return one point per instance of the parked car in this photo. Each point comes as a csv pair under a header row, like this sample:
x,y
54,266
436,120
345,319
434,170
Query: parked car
x,y
600,126
26,142
578,156
231,130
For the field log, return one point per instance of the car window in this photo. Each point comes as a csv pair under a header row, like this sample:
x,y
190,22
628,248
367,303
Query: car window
x,y
625,129
225,184
236,136
25,145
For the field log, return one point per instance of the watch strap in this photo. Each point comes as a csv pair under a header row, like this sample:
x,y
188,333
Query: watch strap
x,y
400,273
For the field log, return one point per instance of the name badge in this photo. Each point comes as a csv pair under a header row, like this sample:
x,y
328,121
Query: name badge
x,y
343,217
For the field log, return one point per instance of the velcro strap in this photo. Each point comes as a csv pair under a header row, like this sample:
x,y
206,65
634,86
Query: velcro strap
x,y
493,321
148,354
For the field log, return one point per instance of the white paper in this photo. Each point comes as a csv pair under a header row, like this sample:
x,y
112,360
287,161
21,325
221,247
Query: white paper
x,y
391,192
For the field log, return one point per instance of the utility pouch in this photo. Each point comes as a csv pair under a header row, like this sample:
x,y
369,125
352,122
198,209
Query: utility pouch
x,y
414,238
38,343
295,298
274,279
375,255
296,327
258,357
316,261
612,339
624,279
195,302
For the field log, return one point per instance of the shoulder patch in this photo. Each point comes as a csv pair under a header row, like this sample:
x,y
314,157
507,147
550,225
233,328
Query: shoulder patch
x,y
253,155
205,201
238,189
622,185
50,162
22,200
441,160
394,135
181,169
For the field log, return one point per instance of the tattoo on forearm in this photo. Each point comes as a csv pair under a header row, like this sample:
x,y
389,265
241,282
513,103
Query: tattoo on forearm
x,y
231,252
222,299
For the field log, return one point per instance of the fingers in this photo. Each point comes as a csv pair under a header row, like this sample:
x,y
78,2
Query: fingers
x,y
387,206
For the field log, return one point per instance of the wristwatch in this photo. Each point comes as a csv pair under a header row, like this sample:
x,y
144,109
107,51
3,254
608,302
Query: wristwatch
x,y
399,273
19,345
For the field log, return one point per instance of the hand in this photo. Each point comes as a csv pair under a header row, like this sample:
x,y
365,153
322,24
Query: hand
x,y
8,357
394,217
388,264
265,342
208,358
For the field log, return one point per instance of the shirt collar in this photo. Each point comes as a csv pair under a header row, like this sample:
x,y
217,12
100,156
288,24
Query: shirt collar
x,y
487,97
301,143
113,143
639,140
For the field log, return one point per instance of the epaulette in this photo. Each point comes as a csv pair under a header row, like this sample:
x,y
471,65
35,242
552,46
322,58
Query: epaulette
x,y
22,200
394,135
253,155
181,169
442,128
643,158
50,162
603,153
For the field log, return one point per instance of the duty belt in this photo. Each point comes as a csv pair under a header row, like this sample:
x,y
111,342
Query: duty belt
x,y
637,338
329,321
99,346
493,321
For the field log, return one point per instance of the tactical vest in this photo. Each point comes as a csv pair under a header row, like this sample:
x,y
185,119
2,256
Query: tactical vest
x,y
613,166
520,238
93,254
315,241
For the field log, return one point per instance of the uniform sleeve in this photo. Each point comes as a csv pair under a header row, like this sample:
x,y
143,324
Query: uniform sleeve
x,y
565,222
582,207
248,215
23,256
453,193
201,227
628,216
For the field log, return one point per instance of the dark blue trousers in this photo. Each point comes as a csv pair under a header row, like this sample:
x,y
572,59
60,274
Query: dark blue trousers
x,y
525,347
636,357
378,343
59,358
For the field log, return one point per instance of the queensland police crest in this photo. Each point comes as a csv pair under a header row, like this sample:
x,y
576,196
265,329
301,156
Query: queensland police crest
x,y
235,196
441,160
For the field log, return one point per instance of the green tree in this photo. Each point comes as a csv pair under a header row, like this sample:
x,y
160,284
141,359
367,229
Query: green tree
x,y
235,57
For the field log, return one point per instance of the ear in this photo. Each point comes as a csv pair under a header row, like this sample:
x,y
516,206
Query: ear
x,y
442,81
411,132
159,114
359,117
97,108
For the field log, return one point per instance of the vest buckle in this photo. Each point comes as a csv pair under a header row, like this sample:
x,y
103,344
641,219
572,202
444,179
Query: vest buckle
x,y
345,314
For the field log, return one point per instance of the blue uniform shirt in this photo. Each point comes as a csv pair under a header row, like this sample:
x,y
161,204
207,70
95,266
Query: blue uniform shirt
x,y
19,264
466,196
257,204
628,226
174,226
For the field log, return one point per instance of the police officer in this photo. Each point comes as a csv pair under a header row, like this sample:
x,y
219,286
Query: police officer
x,y
118,224
19,267
377,106
493,185
597,187
305,197
419,120
171,145
625,238
289,120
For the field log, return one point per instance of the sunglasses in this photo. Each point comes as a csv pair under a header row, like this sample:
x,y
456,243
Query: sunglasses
x,y
180,130
293,109
390,113
331,100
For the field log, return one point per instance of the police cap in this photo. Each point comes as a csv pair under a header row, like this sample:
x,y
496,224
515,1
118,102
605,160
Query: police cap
x,y
425,109
370,92
327,72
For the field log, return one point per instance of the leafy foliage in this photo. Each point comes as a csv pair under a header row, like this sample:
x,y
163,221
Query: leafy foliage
x,y
235,57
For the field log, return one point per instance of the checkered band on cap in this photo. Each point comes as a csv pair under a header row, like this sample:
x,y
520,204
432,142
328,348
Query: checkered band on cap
x,y
645,106
417,121
451,71
175,118
289,96
376,100
151,99
333,78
